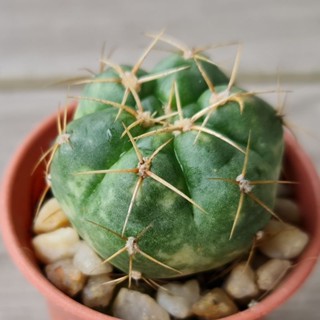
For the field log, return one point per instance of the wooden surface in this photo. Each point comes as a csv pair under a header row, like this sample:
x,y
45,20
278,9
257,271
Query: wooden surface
x,y
45,41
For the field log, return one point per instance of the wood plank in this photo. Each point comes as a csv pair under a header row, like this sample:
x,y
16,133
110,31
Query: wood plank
x,y
56,38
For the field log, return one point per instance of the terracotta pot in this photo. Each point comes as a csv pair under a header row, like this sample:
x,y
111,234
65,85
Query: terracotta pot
x,y
20,193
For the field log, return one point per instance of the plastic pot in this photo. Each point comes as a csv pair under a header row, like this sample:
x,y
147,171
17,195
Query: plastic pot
x,y
20,192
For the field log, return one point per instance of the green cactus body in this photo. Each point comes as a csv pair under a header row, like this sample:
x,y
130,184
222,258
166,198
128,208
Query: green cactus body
x,y
108,87
190,81
161,196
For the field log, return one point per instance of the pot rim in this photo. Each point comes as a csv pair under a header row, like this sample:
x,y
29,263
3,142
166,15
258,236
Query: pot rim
x,y
54,296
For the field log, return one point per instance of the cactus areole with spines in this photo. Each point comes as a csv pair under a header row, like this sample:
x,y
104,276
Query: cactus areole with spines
x,y
170,172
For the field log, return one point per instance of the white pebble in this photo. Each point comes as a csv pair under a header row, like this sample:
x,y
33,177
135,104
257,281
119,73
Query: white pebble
x,y
50,217
283,241
55,245
133,305
65,276
270,274
216,304
287,210
253,303
240,284
178,298
86,260
97,292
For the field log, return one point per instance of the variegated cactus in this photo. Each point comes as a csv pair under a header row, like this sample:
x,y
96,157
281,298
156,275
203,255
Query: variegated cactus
x,y
169,172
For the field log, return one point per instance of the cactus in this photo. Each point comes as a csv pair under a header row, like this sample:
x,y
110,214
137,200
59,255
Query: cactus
x,y
171,172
